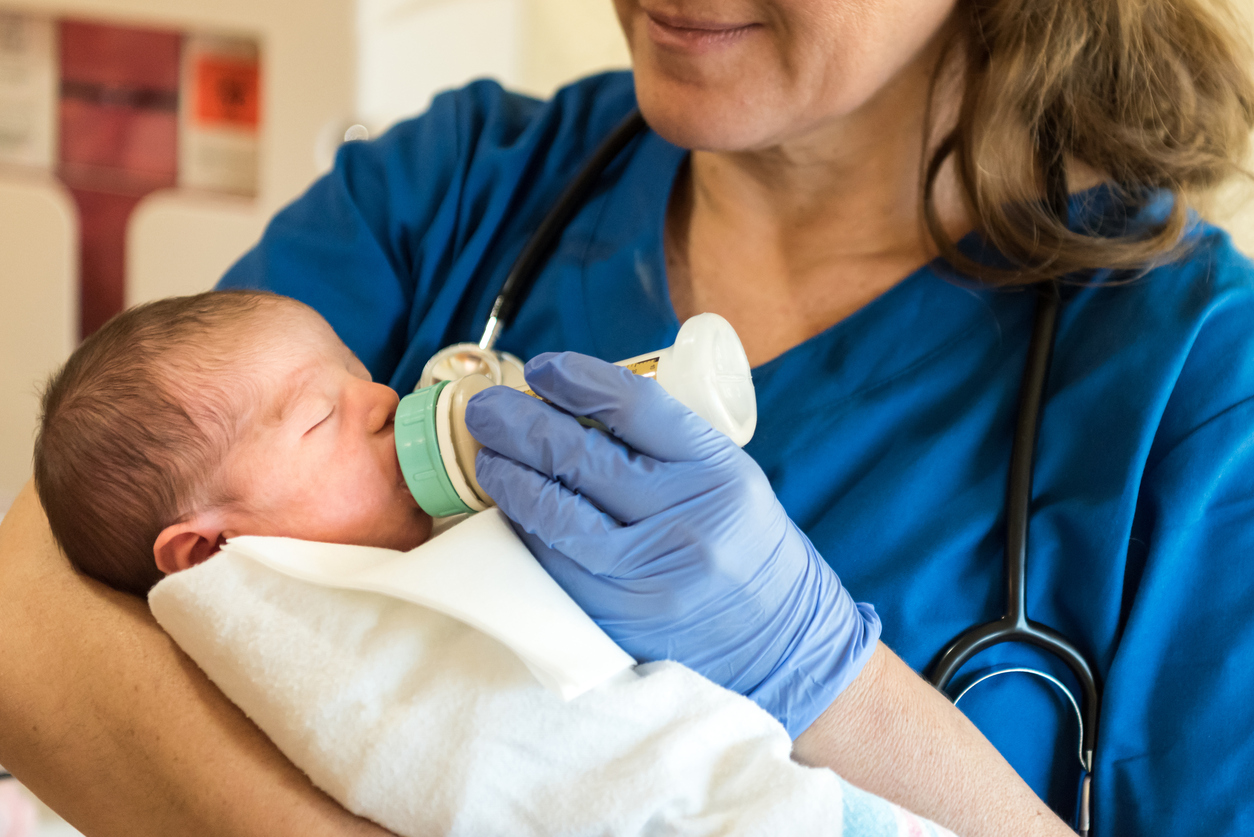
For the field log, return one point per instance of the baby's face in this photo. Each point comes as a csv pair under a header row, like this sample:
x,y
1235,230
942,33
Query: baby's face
x,y
317,458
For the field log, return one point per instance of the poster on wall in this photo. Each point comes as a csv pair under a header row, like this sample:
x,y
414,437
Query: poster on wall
x,y
220,114
119,110
28,90
119,104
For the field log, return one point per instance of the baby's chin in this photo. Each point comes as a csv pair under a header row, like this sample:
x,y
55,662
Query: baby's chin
x,y
415,532
401,529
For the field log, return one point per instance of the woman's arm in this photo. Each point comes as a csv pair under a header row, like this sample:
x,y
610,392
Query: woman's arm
x,y
891,733
109,723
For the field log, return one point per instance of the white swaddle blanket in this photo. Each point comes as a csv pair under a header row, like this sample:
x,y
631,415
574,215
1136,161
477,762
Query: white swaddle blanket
x,y
425,725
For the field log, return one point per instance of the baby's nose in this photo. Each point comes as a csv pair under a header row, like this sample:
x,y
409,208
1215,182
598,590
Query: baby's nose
x,y
383,404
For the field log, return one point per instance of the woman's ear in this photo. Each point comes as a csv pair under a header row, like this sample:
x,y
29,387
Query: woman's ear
x,y
184,545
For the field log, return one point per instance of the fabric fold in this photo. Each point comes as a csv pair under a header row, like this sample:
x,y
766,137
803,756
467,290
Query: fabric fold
x,y
427,726
477,571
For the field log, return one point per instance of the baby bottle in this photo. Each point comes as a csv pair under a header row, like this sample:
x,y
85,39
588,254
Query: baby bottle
x,y
706,370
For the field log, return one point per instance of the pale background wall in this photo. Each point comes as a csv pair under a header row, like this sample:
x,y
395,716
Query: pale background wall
x,y
411,49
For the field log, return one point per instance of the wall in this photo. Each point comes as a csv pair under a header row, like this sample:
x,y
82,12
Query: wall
x,y
412,49
38,240
566,39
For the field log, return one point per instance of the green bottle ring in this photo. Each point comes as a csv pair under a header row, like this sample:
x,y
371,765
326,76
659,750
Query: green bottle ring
x,y
418,450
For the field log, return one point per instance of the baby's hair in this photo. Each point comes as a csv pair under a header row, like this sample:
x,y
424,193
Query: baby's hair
x,y
136,426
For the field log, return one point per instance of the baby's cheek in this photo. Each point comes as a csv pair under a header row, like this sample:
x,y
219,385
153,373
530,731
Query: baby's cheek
x,y
257,479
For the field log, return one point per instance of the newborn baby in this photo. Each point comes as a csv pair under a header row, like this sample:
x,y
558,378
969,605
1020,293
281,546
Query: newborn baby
x,y
188,421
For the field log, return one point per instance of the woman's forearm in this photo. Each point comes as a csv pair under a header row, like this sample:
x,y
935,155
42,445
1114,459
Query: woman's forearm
x,y
892,734
112,726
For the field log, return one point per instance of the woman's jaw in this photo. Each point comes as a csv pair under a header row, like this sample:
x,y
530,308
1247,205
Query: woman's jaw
x,y
748,75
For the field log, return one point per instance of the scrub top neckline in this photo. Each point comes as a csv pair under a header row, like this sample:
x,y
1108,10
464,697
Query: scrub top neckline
x,y
923,305
645,195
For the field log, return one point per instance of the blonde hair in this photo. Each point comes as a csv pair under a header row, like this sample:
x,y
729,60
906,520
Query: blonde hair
x,y
1156,95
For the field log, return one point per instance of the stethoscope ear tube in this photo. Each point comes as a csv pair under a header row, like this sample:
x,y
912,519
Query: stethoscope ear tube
x,y
527,267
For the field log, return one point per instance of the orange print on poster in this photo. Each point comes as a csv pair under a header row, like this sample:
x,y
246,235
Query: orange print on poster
x,y
228,92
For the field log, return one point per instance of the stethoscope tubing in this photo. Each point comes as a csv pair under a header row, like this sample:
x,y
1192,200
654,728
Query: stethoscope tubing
x,y
526,268
1014,625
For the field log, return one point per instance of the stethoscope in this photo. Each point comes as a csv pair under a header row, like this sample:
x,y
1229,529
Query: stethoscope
x,y
482,358
1014,625
469,358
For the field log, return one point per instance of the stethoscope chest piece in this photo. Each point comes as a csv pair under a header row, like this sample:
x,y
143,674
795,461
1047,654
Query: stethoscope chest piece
x,y
455,362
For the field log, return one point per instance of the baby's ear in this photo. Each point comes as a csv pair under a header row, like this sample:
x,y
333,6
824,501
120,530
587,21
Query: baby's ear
x,y
184,545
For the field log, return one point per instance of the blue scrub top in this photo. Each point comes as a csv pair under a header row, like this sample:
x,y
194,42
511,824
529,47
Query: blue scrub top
x,y
887,437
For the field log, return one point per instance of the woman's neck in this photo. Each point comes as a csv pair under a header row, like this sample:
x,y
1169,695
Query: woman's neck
x,y
786,241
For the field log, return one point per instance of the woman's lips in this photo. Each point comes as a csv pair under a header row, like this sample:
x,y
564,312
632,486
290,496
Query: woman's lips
x,y
695,35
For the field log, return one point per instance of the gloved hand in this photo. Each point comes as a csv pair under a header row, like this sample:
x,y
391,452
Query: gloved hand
x,y
669,536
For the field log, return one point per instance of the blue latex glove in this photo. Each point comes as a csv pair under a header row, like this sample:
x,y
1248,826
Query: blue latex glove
x,y
671,539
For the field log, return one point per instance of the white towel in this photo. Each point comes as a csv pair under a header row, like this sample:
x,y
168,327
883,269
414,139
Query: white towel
x,y
427,726
478,572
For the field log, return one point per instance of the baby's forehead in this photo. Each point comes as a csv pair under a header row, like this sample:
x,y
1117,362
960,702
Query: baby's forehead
x,y
287,365
270,339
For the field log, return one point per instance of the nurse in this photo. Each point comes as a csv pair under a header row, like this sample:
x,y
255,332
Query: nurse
x,y
856,187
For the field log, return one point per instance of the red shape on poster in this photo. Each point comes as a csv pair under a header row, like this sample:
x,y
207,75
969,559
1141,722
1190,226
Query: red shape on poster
x,y
228,92
119,142
120,56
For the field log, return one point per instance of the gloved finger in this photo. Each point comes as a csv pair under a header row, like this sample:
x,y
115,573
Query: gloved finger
x,y
560,518
585,587
629,485
640,617
634,408
618,610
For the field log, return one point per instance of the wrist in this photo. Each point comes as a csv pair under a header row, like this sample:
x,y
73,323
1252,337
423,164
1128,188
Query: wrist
x,y
827,655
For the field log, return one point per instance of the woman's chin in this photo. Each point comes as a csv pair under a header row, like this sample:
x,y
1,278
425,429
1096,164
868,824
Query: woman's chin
x,y
707,123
